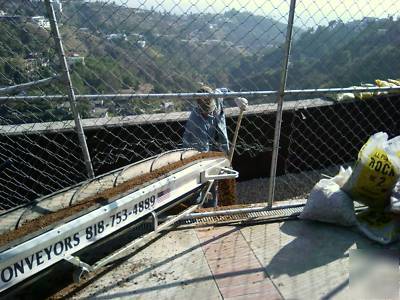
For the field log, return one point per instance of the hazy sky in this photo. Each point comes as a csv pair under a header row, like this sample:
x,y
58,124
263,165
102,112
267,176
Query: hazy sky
x,y
309,12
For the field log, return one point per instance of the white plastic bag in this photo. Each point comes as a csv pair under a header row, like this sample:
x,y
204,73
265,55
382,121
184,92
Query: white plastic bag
x,y
376,171
344,174
395,196
328,203
395,199
344,97
379,226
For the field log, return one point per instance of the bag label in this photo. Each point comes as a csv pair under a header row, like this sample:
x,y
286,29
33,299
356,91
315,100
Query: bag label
x,y
376,179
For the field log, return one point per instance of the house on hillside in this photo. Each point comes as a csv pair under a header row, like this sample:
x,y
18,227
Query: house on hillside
x,y
168,107
99,112
137,35
117,36
141,43
41,22
74,58
4,17
98,103
34,61
138,39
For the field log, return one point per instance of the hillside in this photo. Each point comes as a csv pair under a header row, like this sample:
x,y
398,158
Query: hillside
x,y
117,49
181,50
241,29
337,55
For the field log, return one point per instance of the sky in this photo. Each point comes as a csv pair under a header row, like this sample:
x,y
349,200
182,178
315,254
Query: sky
x,y
308,12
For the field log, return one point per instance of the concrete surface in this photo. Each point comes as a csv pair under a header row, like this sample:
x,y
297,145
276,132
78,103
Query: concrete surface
x,y
174,267
287,260
93,123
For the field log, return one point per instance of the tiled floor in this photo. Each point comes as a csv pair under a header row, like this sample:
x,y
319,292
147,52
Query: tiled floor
x,y
236,270
293,260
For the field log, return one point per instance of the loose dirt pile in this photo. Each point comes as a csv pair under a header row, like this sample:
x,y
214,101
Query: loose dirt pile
x,y
97,200
227,192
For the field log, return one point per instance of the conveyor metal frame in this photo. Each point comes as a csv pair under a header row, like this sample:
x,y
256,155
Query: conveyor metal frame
x,y
82,267
61,242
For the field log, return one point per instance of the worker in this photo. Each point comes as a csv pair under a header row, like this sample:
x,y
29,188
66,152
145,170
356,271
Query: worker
x,y
205,129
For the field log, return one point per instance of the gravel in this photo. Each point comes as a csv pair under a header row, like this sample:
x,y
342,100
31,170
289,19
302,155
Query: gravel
x,y
288,187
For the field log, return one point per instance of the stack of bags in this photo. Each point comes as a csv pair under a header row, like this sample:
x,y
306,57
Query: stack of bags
x,y
375,182
366,95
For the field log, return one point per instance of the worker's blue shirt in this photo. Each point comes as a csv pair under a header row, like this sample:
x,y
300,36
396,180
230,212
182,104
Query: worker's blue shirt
x,y
207,132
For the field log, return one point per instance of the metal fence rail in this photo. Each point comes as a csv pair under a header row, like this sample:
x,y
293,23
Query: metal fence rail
x,y
127,73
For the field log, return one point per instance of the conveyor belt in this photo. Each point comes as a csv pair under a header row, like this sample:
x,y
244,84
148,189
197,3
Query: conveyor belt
x,y
26,256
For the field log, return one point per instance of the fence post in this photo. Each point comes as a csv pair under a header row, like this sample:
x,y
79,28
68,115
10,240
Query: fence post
x,y
71,94
281,95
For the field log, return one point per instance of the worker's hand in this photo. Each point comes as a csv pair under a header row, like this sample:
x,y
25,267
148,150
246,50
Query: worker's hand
x,y
242,103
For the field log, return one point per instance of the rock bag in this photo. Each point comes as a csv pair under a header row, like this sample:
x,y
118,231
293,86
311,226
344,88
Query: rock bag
x,y
328,203
375,172
379,226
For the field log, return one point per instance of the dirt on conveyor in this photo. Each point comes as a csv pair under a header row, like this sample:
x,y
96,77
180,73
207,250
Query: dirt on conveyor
x,y
37,224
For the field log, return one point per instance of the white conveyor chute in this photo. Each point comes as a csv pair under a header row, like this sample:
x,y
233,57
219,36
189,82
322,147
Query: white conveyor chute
x,y
25,258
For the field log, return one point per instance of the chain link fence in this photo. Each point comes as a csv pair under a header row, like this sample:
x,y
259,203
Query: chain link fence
x,y
130,61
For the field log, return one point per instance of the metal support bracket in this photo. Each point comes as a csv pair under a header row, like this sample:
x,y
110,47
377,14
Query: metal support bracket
x,y
223,173
128,247
82,267
155,220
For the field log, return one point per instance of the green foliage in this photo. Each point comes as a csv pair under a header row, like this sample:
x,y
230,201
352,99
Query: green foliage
x,y
337,55
235,49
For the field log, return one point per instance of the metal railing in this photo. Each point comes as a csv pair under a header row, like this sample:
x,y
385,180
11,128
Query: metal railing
x,y
100,50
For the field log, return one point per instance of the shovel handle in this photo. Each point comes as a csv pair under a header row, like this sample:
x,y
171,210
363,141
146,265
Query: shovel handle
x,y
233,145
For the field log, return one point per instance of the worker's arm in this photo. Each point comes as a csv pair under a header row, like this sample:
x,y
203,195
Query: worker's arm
x,y
241,102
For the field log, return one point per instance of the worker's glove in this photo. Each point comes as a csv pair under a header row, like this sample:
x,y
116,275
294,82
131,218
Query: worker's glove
x,y
242,103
